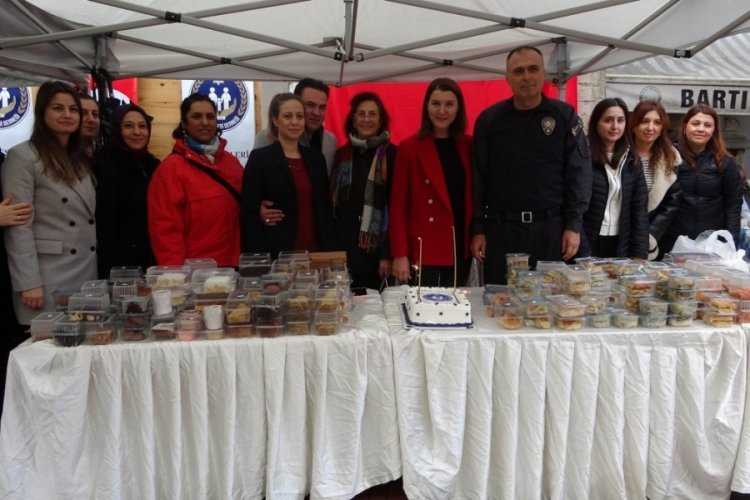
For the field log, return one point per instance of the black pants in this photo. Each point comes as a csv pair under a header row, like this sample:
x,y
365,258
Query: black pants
x,y
541,240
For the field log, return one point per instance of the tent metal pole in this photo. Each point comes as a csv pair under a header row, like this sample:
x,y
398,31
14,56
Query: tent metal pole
x,y
44,27
535,24
719,34
503,23
350,26
213,59
593,60
562,65
22,41
219,28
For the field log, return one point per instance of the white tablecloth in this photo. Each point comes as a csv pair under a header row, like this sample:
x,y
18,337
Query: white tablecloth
x,y
490,413
236,418
741,479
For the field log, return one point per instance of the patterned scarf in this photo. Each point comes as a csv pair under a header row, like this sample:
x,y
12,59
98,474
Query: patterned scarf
x,y
375,210
208,150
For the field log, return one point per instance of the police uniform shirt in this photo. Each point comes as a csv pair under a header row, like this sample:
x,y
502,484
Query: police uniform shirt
x,y
531,160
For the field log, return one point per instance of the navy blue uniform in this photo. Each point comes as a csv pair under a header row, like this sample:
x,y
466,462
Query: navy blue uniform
x,y
532,181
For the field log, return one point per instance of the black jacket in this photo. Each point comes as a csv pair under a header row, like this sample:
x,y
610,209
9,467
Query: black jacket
x,y
122,180
267,177
632,240
664,199
711,199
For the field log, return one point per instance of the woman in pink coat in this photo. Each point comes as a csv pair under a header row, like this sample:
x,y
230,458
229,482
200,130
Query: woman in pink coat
x,y
431,194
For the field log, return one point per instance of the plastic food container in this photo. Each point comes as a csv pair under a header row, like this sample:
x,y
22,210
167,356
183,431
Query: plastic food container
x,y
551,270
255,264
61,297
685,307
297,323
95,287
275,282
163,331
125,273
600,320
595,304
637,285
724,304
167,276
566,307
576,279
326,323
216,280
88,307
135,327
69,333
569,322
535,306
718,319
43,325
622,267
652,306
543,322
134,305
739,287
509,317
594,264
101,332
625,319
653,320
124,288
680,320
518,261
239,331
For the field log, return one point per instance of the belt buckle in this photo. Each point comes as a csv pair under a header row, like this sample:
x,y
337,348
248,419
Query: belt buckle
x,y
527,217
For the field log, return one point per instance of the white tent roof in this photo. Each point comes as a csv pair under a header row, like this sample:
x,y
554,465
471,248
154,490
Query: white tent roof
x,y
726,61
345,41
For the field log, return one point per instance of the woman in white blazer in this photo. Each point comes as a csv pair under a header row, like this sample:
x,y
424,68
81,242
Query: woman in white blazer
x,y
57,248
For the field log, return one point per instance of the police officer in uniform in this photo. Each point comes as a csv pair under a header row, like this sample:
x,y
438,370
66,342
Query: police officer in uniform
x,y
531,173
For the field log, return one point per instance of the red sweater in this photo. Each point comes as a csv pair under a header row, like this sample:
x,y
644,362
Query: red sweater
x,y
190,215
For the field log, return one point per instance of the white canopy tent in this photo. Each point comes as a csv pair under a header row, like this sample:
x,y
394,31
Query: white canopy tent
x,y
346,41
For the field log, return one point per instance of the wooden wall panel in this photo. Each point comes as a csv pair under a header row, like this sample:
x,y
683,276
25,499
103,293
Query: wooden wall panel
x,y
161,99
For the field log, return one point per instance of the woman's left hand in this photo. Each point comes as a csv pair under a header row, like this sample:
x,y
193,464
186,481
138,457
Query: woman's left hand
x,y
385,268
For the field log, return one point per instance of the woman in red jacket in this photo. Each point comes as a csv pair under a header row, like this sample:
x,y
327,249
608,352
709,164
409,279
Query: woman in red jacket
x,y
431,193
194,195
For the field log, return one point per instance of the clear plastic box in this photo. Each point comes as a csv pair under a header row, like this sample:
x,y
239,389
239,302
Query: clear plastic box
x,y
101,332
625,319
135,327
576,279
599,320
738,286
569,322
683,308
125,273
653,306
167,276
43,325
566,307
238,308
69,333
543,322
724,304
326,323
637,285
718,319
216,280
61,296
517,260
134,305
124,287
240,331
680,320
509,317
653,320
535,306
95,287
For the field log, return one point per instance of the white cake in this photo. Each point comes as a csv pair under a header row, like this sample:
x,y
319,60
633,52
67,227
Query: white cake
x,y
432,306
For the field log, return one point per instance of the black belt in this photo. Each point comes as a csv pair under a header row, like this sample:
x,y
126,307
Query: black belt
x,y
526,216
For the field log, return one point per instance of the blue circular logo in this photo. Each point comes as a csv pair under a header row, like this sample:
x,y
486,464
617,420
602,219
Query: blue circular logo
x,y
438,297
14,104
230,97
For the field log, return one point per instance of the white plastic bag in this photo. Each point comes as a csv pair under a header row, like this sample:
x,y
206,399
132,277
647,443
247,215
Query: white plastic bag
x,y
718,242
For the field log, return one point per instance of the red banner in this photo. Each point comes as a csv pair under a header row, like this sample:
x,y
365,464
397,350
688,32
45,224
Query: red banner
x,y
403,101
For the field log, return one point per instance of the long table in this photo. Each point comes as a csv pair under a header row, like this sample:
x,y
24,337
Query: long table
x,y
235,418
490,413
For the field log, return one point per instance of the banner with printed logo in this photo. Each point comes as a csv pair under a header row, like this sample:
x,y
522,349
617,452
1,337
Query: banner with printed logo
x,y
16,116
235,104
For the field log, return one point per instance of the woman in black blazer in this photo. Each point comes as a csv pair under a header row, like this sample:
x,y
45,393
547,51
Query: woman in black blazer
x,y
290,183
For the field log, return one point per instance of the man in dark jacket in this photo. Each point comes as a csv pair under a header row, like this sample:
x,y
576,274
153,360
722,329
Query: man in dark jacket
x,y
531,173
